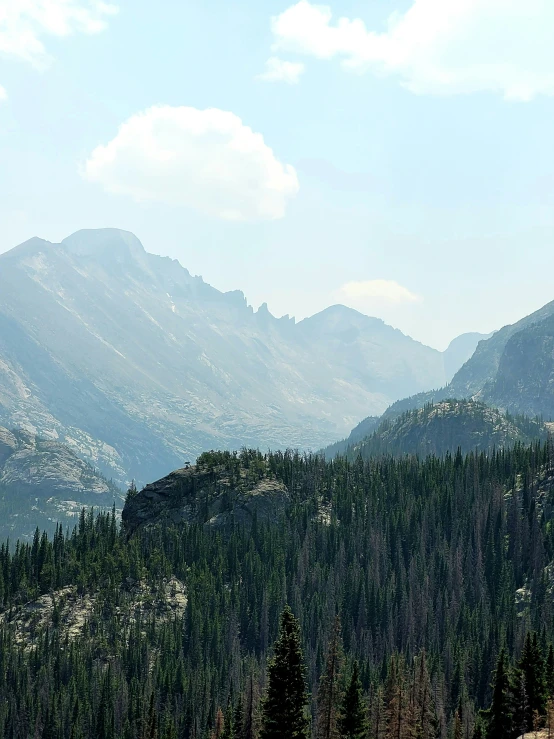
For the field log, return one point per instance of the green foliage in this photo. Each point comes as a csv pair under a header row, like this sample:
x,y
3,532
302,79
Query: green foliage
x,y
531,665
500,721
283,711
353,720
329,690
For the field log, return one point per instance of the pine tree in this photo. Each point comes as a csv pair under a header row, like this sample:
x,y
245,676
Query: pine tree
x,y
401,722
353,719
549,672
550,717
426,724
249,729
457,729
328,694
531,665
377,716
229,725
520,703
151,727
500,713
219,729
478,730
285,700
238,720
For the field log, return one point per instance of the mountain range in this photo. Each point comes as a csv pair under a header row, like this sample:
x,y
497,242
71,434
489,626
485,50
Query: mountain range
x,y
138,366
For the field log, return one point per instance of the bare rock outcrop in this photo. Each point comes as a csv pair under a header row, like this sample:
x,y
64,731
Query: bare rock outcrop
x,y
208,496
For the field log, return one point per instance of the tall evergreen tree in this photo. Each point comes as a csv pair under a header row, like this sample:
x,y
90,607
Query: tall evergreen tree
x,y
425,716
328,694
249,729
219,730
229,726
238,720
353,719
531,665
549,674
283,710
500,714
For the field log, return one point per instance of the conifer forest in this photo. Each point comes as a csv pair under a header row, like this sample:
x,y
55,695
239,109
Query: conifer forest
x,y
398,598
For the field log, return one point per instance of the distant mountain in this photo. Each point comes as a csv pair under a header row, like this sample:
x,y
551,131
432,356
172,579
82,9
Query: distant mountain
x,y
139,366
459,351
444,427
483,366
42,482
513,370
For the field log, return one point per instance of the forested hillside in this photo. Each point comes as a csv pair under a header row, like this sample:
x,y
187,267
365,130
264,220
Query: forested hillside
x,y
442,427
434,566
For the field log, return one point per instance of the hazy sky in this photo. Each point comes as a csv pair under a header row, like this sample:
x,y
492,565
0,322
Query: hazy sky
x,y
393,155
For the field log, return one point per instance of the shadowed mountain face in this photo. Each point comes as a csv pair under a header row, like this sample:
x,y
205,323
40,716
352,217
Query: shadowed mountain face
x,y
484,365
139,366
524,381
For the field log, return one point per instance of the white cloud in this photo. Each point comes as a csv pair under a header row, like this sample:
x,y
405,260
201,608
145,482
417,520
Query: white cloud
x,y
204,159
387,291
24,24
3,93
278,70
436,46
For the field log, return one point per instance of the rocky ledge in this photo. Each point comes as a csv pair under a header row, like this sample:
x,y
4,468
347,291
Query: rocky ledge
x,y
215,495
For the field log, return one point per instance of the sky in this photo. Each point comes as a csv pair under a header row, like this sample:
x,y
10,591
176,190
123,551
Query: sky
x,y
392,155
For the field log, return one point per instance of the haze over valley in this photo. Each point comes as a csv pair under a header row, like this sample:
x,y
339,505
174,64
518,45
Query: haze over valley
x,y
137,366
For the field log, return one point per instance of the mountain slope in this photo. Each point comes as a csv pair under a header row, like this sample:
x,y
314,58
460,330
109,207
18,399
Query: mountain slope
x,y
444,427
43,481
139,366
358,433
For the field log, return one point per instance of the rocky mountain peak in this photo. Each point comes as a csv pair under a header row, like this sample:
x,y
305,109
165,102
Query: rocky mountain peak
x,y
103,242
32,246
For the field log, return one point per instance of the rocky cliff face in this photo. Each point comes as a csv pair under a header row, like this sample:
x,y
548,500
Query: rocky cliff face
x,y
217,492
43,481
139,366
